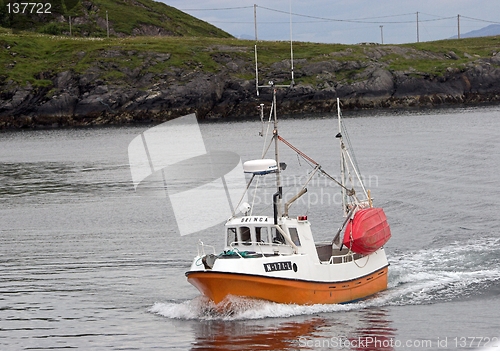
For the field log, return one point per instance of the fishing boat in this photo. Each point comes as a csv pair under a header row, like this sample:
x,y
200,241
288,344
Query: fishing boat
x,y
274,257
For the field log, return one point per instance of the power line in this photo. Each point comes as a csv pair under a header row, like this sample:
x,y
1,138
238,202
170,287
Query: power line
x,y
219,9
355,20
378,20
480,20
360,20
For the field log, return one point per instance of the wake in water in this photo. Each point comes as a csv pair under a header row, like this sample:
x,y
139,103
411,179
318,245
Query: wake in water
x,y
239,308
456,271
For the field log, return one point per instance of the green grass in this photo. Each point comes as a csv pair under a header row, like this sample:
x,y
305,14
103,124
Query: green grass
x,y
483,47
473,47
28,57
30,54
124,17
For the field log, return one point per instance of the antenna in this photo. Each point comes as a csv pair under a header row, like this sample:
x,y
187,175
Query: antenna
x,y
291,45
271,84
277,197
256,71
255,49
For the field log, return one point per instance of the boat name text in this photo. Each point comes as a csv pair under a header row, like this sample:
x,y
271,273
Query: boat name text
x,y
253,219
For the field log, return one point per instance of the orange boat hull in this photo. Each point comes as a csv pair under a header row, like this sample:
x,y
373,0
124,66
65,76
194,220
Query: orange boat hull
x,y
218,285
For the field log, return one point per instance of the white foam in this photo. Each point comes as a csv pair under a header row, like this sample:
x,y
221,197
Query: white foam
x,y
442,273
419,277
237,308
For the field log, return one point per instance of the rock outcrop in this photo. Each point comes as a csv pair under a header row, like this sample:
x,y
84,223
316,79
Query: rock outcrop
x,y
97,97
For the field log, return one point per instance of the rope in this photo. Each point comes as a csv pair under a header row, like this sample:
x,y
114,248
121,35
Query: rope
x,y
363,266
243,196
349,147
350,192
254,195
264,149
297,151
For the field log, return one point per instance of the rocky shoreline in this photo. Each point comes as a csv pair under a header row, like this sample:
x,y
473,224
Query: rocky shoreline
x,y
88,98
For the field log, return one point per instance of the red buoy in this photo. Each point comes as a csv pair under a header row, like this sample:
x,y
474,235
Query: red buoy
x,y
367,231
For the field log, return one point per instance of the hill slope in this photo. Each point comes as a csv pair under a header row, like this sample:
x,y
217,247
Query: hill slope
x,y
488,31
88,18
57,81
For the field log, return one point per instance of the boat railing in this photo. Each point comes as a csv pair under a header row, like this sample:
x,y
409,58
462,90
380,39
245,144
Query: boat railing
x,y
263,248
348,257
201,248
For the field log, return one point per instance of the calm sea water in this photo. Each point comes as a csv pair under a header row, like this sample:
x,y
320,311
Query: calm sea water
x,y
88,263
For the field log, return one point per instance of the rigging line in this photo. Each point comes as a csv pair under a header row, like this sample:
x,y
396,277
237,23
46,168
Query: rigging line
x,y
243,195
254,195
265,209
297,150
346,166
268,146
264,149
308,159
335,180
345,134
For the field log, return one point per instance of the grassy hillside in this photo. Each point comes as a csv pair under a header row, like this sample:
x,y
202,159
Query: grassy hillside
x,y
27,57
88,18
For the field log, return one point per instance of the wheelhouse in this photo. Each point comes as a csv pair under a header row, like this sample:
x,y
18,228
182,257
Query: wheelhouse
x,y
253,234
259,234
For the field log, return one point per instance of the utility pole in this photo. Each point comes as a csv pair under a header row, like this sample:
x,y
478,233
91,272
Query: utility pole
x,y
255,19
291,45
418,36
382,34
458,21
107,24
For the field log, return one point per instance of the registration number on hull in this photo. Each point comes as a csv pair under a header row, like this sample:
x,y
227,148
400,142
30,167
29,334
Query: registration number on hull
x,y
278,266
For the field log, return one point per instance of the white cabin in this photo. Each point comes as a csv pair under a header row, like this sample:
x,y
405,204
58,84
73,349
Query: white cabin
x,y
259,234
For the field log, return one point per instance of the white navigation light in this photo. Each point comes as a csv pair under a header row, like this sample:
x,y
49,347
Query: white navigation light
x,y
244,208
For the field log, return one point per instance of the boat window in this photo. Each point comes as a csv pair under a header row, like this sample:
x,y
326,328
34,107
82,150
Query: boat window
x,y
231,236
245,234
277,236
294,235
261,234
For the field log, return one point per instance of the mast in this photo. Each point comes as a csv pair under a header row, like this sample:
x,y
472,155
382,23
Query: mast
x,y
346,163
342,161
278,195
